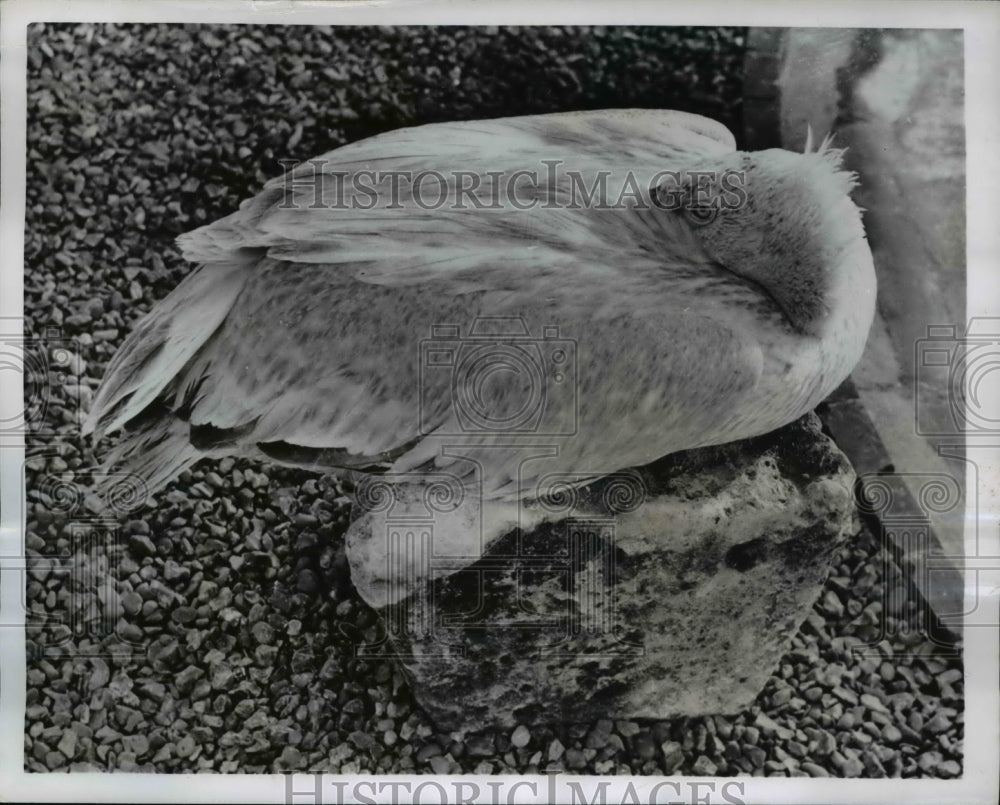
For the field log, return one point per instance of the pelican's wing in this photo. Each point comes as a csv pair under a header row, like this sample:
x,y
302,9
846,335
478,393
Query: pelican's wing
x,y
174,370
300,218
419,204
335,375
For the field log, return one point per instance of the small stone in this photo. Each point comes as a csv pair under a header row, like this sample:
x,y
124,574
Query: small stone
x,y
131,603
106,735
846,721
262,632
442,765
939,723
832,605
949,677
154,690
362,740
575,759
704,767
291,758
185,746
852,767
781,696
520,737
55,760
949,768
67,744
627,729
141,545
185,679
814,770
480,745
756,756
556,750
929,761
891,734
99,675
873,703
673,755
427,751
138,745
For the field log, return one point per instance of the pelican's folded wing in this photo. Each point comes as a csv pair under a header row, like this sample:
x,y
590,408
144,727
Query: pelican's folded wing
x,y
416,204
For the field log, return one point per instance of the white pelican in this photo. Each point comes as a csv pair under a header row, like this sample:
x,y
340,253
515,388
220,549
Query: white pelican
x,y
448,298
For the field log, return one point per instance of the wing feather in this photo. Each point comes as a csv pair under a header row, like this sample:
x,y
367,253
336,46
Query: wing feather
x,y
350,205
303,325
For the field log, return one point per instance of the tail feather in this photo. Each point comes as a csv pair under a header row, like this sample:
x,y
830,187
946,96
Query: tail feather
x,y
162,344
156,453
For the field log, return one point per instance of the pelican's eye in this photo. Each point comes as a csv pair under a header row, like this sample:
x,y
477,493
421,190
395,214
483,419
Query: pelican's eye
x,y
699,215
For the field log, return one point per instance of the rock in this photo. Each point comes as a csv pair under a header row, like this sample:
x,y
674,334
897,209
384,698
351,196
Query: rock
x,y
136,744
67,744
99,676
704,767
949,768
142,545
682,594
673,756
520,737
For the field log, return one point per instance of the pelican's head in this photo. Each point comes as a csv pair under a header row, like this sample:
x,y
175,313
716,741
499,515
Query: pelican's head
x,y
785,221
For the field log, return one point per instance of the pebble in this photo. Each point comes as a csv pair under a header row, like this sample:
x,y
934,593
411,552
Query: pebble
x,y
441,764
427,751
938,723
138,745
704,767
141,545
949,768
873,703
627,729
673,756
520,737
67,744
575,759
99,675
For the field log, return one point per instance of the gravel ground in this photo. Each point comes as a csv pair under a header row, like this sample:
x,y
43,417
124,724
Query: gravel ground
x,y
217,630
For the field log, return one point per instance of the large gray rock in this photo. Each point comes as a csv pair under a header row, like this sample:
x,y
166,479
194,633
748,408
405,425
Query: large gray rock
x,y
668,590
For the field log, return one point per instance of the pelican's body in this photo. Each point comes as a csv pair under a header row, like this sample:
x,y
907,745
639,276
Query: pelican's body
x,y
299,338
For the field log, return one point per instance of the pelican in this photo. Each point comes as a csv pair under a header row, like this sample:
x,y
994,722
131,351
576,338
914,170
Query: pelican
x,y
501,302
